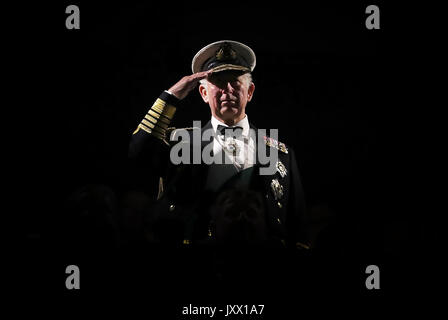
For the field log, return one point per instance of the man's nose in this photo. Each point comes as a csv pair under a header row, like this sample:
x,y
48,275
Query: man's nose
x,y
228,87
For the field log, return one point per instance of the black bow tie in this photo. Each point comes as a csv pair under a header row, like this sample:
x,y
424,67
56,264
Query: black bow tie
x,y
230,131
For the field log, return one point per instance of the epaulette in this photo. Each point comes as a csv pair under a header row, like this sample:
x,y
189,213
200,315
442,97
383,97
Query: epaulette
x,y
275,144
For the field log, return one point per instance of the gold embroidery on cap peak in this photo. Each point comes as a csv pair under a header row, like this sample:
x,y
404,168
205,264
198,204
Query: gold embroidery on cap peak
x,y
225,52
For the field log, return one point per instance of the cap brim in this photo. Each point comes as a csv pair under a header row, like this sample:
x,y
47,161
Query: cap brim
x,y
228,67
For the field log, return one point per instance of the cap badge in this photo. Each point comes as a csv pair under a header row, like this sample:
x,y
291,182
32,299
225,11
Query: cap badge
x,y
225,52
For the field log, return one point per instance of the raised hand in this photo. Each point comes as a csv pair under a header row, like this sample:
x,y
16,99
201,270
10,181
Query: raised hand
x,y
184,86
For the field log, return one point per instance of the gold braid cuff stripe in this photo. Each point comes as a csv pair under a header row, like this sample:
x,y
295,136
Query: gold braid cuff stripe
x,y
148,124
154,128
164,109
151,131
158,119
156,122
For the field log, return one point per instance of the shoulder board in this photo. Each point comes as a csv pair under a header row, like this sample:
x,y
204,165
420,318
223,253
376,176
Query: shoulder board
x,y
275,144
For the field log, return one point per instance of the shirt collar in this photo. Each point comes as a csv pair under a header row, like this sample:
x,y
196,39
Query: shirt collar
x,y
244,123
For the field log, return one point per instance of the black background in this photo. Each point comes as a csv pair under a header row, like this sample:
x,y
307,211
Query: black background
x,y
335,90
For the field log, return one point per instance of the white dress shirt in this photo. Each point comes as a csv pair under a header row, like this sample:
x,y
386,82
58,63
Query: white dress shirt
x,y
240,151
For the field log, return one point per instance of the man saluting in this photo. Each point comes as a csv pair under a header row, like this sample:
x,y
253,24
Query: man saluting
x,y
225,197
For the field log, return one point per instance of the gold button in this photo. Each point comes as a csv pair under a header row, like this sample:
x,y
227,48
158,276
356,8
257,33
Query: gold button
x,y
172,207
279,221
279,205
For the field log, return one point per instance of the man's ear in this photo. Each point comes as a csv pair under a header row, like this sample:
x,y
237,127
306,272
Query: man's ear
x,y
250,91
203,92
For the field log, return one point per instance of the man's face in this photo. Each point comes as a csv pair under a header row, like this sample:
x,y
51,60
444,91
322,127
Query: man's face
x,y
227,94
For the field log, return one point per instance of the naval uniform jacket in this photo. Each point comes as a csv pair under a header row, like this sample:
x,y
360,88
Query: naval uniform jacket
x,y
183,195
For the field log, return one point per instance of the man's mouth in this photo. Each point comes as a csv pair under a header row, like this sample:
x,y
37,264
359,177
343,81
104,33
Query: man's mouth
x,y
228,102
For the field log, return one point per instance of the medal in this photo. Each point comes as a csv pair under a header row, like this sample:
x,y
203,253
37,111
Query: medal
x,y
277,189
275,144
282,147
281,169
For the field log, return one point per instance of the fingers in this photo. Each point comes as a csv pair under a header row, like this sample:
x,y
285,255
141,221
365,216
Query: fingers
x,y
182,88
202,75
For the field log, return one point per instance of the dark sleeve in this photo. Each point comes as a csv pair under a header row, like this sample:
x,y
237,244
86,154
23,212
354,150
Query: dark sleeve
x,y
149,144
296,220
